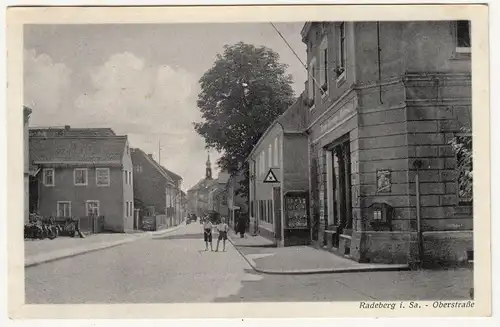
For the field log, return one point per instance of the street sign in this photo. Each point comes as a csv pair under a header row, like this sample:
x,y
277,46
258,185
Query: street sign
x,y
270,177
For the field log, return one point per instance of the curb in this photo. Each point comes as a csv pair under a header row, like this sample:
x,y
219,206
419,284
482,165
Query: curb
x,y
74,254
319,271
97,248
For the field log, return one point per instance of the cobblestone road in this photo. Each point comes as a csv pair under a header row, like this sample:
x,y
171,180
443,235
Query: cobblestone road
x,y
175,268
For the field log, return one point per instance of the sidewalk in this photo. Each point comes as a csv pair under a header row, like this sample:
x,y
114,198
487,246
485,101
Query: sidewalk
x,y
41,251
249,240
300,260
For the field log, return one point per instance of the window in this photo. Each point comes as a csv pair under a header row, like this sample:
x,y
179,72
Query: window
x,y
311,83
270,156
323,55
251,209
270,211
463,36
63,208
48,176
342,50
126,176
92,208
102,176
138,168
126,209
80,176
263,162
276,163
130,177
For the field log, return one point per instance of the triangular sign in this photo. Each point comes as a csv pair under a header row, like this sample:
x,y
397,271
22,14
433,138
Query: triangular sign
x,y
270,177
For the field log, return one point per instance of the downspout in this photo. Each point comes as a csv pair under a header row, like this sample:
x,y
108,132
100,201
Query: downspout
x,y
282,189
418,165
253,203
379,62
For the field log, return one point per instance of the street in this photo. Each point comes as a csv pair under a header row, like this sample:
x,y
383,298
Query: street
x,y
175,268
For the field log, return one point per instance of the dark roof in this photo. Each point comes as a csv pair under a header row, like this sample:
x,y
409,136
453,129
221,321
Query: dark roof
x,y
77,149
171,174
203,184
153,163
69,131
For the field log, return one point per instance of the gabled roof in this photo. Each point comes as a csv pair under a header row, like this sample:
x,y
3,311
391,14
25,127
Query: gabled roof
x,y
292,121
153,163
77,150
171,174
70,131
203,184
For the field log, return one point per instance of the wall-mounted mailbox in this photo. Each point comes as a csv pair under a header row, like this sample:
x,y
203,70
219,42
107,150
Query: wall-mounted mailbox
x,y
380,215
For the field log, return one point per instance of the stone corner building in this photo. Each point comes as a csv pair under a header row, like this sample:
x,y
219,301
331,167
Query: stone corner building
x,y
386,98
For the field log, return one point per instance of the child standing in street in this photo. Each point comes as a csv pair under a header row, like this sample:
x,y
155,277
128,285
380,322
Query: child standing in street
x,y
222,228
207,233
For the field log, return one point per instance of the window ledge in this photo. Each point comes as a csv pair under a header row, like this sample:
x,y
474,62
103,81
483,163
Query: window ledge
x,y
461,54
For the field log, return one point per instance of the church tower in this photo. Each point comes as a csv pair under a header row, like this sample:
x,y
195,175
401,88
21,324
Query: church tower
x,y
208,174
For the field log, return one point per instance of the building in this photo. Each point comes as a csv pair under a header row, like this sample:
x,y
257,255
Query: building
x,y
237,204
27,173
385,101
80,172
279,185
153,187
198,195
174,197
217,195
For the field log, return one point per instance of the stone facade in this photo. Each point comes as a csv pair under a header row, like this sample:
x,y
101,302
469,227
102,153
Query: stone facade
x,y
394,93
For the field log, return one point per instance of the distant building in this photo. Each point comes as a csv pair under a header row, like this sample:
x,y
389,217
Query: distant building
x,y
78,174
198,195
156,189
218,195
237,204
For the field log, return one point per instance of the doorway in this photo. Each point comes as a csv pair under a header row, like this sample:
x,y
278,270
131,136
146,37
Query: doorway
x,y
277,212
340,186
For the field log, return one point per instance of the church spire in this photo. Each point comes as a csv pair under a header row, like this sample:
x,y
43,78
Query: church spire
x,y
209,168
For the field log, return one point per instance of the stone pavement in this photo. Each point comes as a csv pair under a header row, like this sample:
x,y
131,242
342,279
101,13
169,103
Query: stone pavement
x,y
298,260
41,251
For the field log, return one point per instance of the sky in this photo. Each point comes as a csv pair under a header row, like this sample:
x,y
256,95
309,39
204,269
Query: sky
x,y
141,80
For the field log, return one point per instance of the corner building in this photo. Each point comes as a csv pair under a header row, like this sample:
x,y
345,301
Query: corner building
x,y
386,99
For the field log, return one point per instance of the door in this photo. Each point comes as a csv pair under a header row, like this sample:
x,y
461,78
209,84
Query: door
x,y
343,188
277,212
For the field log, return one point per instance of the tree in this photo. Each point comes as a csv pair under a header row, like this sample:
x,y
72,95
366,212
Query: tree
x,y
245,90
462,146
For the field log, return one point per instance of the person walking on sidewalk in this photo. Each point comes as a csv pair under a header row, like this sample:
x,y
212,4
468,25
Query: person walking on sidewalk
x,y
222,228
207,233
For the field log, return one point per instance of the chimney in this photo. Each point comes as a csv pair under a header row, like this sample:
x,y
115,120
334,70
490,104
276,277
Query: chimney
x,y
67,127
150,155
